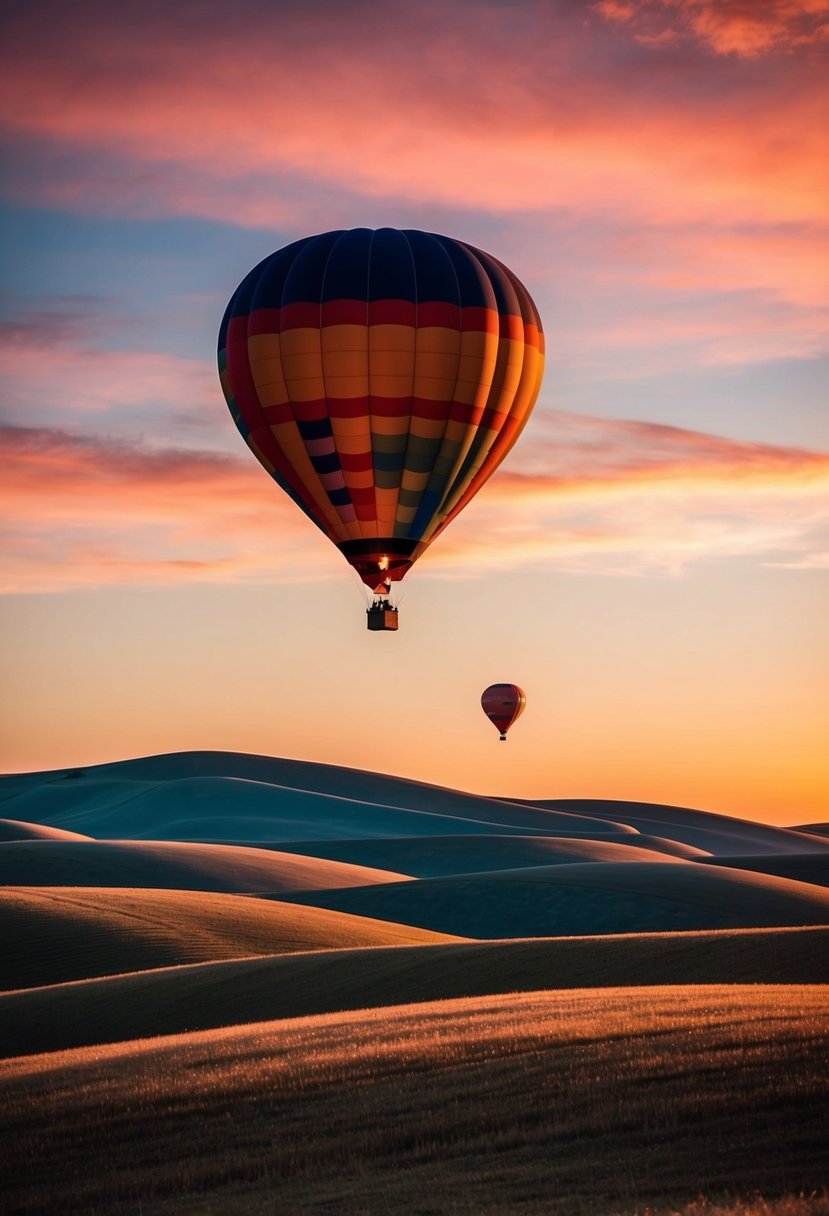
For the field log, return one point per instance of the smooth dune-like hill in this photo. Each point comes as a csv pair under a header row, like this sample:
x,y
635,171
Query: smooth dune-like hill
x,y
669,1100
230,796
716,834
202,996
803,867
437,856
168,864
588,898
813,829
237,798
17,829
236,810
55,934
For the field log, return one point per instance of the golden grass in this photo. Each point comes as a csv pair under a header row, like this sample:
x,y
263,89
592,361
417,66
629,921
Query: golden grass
x,y
208,995
813,1204
575,1103
56,934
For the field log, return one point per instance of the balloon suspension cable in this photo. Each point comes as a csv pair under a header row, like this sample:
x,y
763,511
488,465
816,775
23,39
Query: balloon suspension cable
x,y
363,591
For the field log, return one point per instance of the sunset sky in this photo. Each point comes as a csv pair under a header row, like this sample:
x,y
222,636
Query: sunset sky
x,y
650,562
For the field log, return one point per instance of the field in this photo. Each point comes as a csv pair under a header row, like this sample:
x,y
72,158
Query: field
x,y
224,993
569,1102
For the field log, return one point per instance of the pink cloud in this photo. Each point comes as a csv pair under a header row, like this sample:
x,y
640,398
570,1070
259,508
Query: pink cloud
x,y
88,511
725,331
483,107
581,494
605,496
744,28
53,374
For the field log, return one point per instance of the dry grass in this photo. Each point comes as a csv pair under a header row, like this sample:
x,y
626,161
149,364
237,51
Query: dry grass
x,y
575,1103
813,1204
55,934
208,995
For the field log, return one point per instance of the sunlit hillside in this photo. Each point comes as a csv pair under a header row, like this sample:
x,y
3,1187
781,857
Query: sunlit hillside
x,y
568,1102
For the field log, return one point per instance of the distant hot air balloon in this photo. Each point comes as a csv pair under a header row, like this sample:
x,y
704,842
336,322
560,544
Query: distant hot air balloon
x,y
380,377
502,704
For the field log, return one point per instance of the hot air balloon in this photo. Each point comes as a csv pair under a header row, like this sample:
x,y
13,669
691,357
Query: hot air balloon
x,y
503,704
380,377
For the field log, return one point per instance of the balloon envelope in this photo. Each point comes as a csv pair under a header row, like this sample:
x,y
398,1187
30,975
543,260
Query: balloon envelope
x,y
380,377
503,704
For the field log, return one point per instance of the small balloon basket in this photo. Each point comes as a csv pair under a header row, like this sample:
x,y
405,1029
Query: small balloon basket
x,y
381,615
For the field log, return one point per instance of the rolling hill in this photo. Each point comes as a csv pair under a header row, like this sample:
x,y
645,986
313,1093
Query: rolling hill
x,y
620,1101
17,829
201,996
587,898
169,864
362,993
55,934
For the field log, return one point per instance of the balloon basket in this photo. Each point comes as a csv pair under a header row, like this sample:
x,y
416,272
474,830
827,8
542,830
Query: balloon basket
x,y
381,617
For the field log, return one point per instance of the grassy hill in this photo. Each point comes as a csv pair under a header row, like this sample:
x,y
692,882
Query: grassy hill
x,y
201,996
55,934
578,1102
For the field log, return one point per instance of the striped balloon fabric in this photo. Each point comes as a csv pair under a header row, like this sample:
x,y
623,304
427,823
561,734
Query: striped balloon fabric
x,y
380,377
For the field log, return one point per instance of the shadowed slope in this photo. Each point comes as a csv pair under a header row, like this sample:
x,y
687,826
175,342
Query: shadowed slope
x,y
720,835
235,810
57,934
230,796
437,856
604,897
17,829
183,867
803,867
505,1103
206,995
813,829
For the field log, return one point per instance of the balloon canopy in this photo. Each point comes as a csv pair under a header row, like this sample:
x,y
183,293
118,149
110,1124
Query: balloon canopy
x,y
380,377
503,704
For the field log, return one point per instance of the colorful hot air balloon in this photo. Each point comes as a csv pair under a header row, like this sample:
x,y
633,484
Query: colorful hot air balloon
x,y
503,704
380,377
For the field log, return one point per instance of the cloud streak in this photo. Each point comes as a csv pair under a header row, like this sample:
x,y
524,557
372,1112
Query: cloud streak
x,y
743,28
679,189
582,494
494,107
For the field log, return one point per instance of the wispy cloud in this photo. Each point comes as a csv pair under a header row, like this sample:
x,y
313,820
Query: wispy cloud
x,y
88,511
56,370
579,494
497,107
623,497
668,208
728,27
